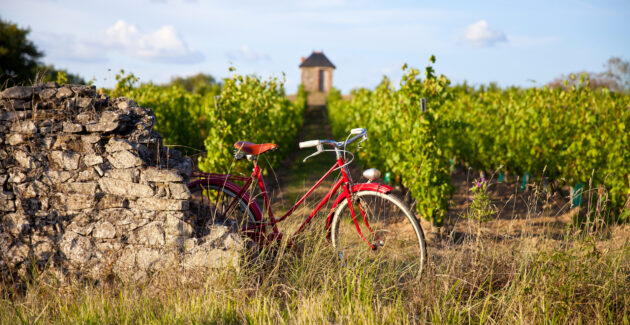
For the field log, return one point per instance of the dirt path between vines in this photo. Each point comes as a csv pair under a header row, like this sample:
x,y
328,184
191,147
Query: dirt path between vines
x,y
534,215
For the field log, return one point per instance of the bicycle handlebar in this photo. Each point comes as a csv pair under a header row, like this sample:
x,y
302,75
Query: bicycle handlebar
x,y
360,133
310,143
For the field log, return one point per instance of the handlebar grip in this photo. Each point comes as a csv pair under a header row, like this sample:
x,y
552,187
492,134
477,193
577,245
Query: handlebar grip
x,y
310,143
357,131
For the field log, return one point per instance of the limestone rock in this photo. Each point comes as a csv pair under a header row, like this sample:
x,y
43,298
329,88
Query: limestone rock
x,y
128,174
70,127
47,93
85,102
15,115
33,189
104,230
16,177
52,177
24,159
80,188
152,174
19,92
109,201
152,234
177,227
76,248
147,259
64,92
85,191
102,127
87,176
16,223
117,144
78,201
24,127
15,138
123,188
207,257
161,204
179,191
91,139
124,159
92,159
18,253
67,160
43,249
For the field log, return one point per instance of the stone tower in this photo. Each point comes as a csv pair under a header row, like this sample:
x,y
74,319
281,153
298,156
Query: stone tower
x,y
317,73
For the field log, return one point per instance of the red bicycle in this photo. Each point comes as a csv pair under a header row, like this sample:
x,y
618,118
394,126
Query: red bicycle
x,y
366,220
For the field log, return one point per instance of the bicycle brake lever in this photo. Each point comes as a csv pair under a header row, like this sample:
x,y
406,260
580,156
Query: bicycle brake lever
x,y
320,149
361,141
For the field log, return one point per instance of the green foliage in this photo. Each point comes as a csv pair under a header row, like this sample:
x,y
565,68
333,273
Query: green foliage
x,y
404,140
125,83
578,135
200,84
61,76
574,135
481,208
182,118
19,58
248,109
301,96
254,110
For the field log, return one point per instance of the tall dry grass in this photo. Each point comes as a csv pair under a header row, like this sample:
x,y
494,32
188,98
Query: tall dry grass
x,y
581,275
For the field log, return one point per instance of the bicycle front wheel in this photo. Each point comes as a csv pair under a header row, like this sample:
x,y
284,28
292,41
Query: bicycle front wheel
x,y
390,237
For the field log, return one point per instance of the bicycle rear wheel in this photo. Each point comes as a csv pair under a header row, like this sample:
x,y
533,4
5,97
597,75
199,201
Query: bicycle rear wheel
x,y
386,223
209,205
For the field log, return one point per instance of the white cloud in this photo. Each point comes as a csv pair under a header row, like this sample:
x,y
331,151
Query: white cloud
x,y
163,44
479,34
66,47
247,53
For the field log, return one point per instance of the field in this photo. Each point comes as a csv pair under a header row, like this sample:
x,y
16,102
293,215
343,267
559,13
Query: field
x,y
499,255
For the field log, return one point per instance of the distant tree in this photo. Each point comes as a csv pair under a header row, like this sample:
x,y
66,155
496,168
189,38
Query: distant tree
x,y
615,78
619,70
19,58
199,84
62,76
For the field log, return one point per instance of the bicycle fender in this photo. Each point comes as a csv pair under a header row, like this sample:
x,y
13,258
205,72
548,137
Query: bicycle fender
x,y
223,182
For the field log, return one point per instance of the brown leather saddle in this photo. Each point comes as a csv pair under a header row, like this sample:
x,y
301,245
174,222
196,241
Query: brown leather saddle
x,y
253,148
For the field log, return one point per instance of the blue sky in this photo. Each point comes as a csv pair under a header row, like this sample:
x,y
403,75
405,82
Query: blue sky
x,y
520,43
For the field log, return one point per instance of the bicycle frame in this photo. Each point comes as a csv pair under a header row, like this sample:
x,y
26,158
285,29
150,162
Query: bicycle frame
x,y
258,231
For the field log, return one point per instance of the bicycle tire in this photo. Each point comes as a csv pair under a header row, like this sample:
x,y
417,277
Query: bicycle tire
x,y
208,203
392,228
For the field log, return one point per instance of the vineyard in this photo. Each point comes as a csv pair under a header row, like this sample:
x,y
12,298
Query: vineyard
x,y
558,137
566,136
549,270
207,125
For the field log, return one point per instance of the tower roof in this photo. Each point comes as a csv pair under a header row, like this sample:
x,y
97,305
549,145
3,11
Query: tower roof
x,y
317,59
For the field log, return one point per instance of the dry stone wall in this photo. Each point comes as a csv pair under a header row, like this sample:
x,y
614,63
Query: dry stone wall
x,y
88,190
